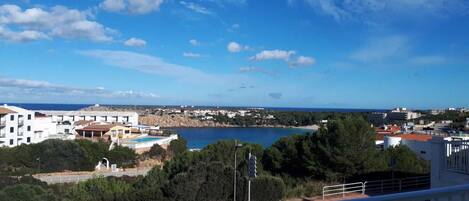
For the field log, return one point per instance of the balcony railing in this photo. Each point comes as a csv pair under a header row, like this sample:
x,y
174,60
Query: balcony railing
x,y
2,134
457,156
3,122
20,122
453,193
20,133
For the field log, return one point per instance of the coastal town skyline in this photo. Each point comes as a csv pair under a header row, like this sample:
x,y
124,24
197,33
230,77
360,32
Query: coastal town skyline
x,y
316,54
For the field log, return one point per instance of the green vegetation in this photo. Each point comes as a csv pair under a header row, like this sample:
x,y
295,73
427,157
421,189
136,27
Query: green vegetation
x,y
283,118
60,155
298,165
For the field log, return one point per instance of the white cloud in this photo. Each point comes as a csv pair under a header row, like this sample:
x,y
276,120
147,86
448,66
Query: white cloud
x,y
370,11
131,6
234,47
194,42
251,69
285,55
273,54
113,5
196,8
302,61
23,36
146,63
135,42
191,55
58,21
20,87
379,49
233,28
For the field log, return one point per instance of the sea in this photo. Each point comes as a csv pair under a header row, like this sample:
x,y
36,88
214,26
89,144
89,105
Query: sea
x,y
56,106
200,137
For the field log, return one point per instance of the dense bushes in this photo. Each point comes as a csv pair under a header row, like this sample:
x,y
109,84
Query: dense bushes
x,y
60,155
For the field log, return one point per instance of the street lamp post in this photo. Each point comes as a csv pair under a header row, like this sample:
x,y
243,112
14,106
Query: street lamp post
x,y
237,145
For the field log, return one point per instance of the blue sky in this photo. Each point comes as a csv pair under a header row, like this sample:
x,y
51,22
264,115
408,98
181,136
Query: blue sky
x,y
289,53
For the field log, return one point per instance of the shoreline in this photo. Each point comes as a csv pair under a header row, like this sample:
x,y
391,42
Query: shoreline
x,y
309,127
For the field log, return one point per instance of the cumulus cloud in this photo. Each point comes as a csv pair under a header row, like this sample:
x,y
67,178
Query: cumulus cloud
x,y
302,61
131,6
234,47
58,21
288,56
194,42
275,95
196,8
22,36
273,54
135,42
20,87
191,54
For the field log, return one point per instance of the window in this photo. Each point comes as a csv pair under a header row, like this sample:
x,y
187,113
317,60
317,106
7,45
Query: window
x,y
28,139
29,128
12,117
29,117
11,141
67,130
127,131
12,129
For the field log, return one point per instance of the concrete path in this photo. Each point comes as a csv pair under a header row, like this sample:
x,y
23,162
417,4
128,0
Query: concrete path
x,y
74,177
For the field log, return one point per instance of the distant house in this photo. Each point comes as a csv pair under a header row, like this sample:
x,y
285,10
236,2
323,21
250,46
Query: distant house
x,y
106,132
418,143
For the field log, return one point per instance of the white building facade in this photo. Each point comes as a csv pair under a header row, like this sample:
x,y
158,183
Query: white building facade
x,y
97,116
16,126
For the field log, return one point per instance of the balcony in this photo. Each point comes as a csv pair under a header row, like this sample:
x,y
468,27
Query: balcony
x,y
2,134
20,122
20,133
3,122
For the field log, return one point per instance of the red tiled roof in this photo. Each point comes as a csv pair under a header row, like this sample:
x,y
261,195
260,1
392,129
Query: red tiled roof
x,y
97,128
416,137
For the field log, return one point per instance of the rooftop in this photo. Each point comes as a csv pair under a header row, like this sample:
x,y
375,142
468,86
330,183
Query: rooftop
x,y
4,110
87,113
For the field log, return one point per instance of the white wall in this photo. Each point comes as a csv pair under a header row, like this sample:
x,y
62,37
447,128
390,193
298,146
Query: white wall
x,y
17,133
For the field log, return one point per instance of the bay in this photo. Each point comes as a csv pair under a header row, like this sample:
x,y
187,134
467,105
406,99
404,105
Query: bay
x,y
198,138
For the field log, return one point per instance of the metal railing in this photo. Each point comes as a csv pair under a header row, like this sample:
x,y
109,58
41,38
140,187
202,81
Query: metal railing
x,y
397,185
457,156
453,193
342,189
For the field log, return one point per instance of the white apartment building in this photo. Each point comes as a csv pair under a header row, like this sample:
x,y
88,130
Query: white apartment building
x,y
98,116
16,126
402,114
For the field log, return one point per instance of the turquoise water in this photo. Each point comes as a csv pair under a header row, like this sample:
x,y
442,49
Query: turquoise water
x,y
145,139
201,137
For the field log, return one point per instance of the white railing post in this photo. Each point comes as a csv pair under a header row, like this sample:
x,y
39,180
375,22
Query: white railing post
x,y
343,190
363,188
